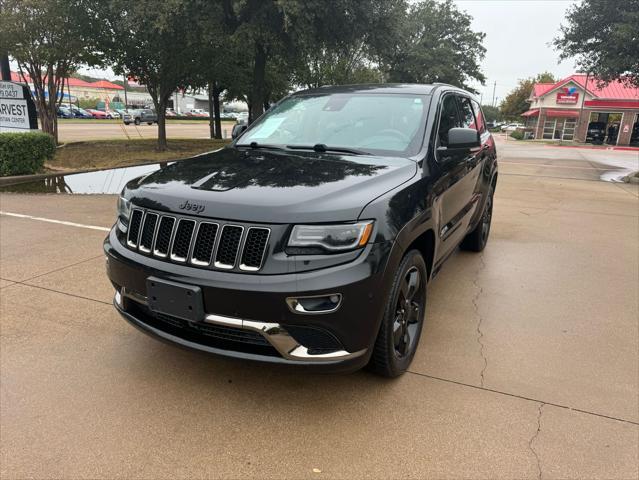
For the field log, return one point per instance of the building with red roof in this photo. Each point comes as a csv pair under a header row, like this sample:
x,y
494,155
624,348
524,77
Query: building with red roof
x,y
564,110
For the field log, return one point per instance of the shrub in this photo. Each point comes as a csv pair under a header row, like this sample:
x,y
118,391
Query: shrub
x,y
24,153
517,135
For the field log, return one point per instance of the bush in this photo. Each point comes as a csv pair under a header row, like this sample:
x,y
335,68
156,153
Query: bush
x,y
24,153
517,135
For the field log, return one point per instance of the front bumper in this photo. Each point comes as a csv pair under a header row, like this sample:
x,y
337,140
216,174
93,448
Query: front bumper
x,y
254,307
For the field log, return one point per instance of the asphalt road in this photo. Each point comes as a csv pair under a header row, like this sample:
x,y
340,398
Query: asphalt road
x,y
92,130
528,365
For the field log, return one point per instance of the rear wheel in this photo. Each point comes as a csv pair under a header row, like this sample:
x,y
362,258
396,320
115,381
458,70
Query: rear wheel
x,y
149,123
137,121
476,240
401,327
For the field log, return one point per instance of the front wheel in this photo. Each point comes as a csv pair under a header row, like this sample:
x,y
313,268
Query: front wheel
x,y
401,327
476,240
137,121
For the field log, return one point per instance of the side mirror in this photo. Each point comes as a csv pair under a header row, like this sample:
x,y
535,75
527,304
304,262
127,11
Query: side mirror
x,y
238,130
463,139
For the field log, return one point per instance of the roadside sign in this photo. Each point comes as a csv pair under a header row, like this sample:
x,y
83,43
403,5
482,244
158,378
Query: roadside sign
x,y
17,109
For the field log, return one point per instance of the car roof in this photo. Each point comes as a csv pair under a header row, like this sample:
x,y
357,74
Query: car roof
x,y
409,88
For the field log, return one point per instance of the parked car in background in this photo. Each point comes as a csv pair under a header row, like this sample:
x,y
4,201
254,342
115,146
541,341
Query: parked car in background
x,y
140,116
242,116
64,112
596,132
511,127
170,113
228,116
97,113
80,112
198,112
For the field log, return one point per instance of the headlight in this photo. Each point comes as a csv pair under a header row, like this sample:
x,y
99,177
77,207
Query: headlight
x,y
334,238
124,210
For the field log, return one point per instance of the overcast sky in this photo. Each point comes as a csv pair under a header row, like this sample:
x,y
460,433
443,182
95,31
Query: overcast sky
x,y
518,33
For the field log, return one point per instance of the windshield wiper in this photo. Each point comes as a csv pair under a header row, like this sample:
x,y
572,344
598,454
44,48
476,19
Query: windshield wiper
x,y
265,146
320,147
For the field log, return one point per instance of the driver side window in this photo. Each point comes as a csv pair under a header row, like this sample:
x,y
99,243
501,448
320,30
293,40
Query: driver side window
x,y
449,118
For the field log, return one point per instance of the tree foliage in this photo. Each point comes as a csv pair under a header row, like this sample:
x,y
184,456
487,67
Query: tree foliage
x,y
435,43
151,41
49,39
603,37
516,102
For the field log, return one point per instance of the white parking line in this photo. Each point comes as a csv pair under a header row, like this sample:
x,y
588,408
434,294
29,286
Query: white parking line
x,y
50,220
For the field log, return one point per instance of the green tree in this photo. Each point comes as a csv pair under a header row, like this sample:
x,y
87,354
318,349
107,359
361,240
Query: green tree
x,y
603,36
516,102
49,39
435,44
492,114
151,41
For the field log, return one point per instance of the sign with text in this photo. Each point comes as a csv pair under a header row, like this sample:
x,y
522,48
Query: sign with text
x,y
568,95
17,110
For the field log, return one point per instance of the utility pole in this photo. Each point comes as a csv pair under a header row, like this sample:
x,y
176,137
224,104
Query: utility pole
x,y
5,69
126,102
494,87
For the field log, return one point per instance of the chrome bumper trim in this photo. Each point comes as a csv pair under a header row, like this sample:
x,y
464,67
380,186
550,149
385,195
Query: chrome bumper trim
x,y
274,333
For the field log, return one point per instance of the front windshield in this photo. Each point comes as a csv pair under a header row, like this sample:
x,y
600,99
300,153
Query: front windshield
x,y
373,123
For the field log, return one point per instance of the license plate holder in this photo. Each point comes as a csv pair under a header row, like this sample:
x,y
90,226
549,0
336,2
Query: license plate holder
x,y
175,299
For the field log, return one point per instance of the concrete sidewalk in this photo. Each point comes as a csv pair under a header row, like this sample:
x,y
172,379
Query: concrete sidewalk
x,y
527,368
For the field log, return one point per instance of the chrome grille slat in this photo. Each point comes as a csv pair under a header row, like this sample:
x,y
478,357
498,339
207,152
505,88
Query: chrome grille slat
x,y
164,236
197,242
181,245
148,232
254,248
135,227
228,246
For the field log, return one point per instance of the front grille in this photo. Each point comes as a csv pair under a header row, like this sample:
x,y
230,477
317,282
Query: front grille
x,y
203,243
229,245
253,254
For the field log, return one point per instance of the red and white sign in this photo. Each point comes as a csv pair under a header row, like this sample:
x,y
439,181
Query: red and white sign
x,y
567,95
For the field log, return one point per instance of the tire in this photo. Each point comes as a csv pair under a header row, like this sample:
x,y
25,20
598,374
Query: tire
x,y
127,123
403,319
476,240
137,121
149,123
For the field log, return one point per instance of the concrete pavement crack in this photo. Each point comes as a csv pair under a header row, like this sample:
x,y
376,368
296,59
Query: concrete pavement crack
x,y
534,437
480,333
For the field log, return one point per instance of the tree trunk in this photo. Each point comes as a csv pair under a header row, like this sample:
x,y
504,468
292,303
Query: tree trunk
x,y
258,87
216,110
211,116
162,128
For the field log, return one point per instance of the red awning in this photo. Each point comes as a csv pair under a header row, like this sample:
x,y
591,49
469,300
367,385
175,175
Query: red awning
x,y
531,113
562,113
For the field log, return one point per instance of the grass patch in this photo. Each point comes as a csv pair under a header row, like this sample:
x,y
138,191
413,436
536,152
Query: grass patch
x,y
119,153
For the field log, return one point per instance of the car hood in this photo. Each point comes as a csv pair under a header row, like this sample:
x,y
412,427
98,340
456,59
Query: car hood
x,y
269,186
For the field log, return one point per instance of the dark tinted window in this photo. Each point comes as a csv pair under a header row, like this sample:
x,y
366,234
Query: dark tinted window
x,y
479,116
468,118
449,118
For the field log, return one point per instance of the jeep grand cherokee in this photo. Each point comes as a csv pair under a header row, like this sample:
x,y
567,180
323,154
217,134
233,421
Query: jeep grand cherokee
x,y
310,239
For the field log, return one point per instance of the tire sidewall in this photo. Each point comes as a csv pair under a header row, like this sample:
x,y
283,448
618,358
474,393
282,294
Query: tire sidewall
x,y
412,258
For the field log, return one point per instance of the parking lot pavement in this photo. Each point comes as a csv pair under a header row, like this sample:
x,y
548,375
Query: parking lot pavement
x,y
528,364
78,131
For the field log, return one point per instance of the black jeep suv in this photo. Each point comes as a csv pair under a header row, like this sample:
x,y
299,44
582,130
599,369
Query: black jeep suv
x,y
310,239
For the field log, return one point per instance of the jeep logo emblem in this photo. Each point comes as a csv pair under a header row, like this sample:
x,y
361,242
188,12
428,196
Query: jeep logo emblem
x,y
194,207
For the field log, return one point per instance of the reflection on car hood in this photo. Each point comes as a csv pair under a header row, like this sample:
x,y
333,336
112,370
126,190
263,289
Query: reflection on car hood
x,y
271,186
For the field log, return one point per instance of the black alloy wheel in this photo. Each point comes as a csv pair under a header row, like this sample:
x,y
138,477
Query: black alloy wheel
x,y
401,326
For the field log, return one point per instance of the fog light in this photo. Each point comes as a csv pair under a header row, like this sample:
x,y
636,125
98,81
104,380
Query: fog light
x,y
316,304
